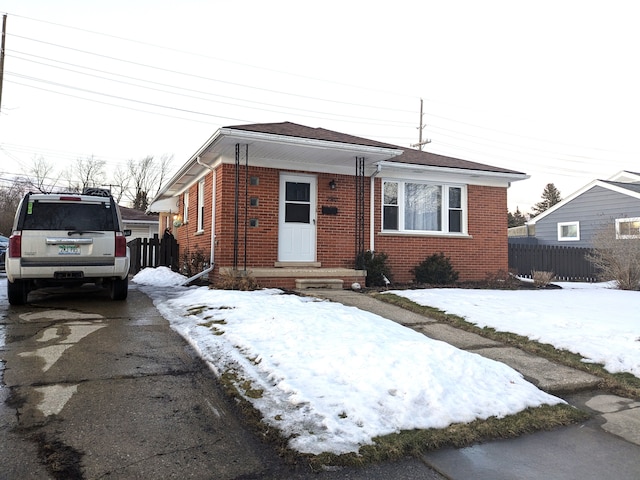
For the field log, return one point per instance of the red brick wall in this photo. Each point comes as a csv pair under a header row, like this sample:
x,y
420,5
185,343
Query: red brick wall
x,y
336,243
192,241
484,252
335,237
262,240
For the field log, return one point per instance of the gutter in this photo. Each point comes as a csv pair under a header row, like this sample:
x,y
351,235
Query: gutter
x,y
211,262
213,211
198,275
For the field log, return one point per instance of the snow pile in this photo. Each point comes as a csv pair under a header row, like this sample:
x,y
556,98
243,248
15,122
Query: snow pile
x,y
593,320
334,377
160,277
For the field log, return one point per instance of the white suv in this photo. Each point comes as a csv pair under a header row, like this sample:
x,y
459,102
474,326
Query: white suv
x,y
67,239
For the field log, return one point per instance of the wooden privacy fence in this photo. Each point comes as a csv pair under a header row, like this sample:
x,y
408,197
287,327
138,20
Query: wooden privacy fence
x,y
153,252
567,263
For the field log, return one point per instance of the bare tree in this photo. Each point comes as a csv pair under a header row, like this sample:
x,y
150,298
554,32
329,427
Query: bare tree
x,y
41,176
119,183
87,172
618,259
10,196
147,177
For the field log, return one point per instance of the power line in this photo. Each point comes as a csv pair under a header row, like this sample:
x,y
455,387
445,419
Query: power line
x,y
436,125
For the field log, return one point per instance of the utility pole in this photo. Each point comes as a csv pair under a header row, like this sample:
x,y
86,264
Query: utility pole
x,y
421,143
4,27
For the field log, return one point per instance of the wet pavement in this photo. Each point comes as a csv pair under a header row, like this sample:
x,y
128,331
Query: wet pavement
x,y
109,388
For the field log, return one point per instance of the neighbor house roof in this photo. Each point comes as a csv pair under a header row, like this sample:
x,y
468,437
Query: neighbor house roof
x,y
631,189
137,216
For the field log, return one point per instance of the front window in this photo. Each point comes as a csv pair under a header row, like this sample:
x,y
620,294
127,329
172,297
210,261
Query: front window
x,y
390,206
568,231
423,207
297,206
627,228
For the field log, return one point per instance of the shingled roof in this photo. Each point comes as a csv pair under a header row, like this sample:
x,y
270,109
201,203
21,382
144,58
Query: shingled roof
x,y
409,155
634,187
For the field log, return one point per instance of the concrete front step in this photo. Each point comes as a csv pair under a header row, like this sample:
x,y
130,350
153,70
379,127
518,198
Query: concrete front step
x,y
326,283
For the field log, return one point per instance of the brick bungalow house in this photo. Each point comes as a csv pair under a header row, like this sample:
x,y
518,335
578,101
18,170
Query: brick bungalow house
x,y
295,206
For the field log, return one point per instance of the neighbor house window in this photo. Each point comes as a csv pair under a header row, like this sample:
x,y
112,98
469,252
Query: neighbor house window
x,y
568,231
185,209
628,228
423,207
201,205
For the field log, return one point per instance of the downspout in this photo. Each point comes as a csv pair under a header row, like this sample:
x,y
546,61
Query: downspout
x,y
372,208
213,216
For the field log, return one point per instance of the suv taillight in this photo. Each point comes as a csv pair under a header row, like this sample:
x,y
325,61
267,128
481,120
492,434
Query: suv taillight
x,y
121,245
15,245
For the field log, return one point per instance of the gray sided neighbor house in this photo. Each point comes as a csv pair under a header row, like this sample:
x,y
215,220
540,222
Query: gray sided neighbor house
x,y
575,220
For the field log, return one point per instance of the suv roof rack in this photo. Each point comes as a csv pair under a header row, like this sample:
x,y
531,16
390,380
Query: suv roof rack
x,y
96,192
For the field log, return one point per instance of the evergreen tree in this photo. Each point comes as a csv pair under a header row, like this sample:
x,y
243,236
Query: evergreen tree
x,y
516,219
550,196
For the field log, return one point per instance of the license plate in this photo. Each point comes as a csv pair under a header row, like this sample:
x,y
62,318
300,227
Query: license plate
x,y
68,250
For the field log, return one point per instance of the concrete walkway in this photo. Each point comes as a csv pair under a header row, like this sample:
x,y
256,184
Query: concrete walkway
x,y
606,446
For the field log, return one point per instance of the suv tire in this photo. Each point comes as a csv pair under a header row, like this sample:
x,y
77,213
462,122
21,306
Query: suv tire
x,y
17,291
119,289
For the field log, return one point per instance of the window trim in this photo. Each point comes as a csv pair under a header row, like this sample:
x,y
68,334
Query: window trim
x,y
185,207
200,211
569,239
626,220
444,208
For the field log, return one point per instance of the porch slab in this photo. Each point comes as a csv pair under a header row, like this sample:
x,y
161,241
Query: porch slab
x,y
306,272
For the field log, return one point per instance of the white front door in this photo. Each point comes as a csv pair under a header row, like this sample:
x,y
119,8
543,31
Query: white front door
x,y
297,224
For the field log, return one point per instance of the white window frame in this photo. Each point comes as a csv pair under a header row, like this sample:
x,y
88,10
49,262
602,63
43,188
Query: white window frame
x,y
620,236
185,207
444,208
200,227
562,238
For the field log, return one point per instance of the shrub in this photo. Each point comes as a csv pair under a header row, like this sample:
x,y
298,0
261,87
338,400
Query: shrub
x,y
192,263
541,279
616,259
230,279
377,269
435,270
502,279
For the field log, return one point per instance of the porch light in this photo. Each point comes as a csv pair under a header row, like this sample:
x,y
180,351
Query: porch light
x,y
332,184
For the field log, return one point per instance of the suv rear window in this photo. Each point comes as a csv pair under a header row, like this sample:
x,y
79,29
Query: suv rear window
x,y
69,216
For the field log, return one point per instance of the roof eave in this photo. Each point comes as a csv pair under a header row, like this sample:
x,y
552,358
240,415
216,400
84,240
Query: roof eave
x,y
246,136
506,176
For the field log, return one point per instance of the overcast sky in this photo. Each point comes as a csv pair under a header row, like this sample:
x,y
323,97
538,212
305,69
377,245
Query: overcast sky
x,y
549,88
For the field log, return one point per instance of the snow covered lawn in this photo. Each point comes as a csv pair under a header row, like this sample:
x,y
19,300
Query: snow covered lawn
x,y
593,320
334,377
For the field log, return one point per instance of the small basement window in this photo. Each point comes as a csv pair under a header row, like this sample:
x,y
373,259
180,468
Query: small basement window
x,y
569,231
